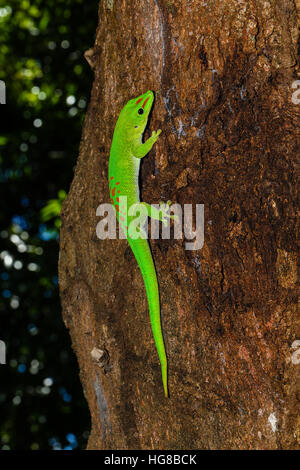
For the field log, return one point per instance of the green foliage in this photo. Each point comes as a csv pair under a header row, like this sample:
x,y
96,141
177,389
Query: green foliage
x,y
47,89
52,209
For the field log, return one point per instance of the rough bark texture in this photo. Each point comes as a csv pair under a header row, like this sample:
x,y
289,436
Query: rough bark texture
x,y
223,73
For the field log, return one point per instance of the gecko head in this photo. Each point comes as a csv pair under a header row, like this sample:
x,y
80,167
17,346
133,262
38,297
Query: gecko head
x,y
136,112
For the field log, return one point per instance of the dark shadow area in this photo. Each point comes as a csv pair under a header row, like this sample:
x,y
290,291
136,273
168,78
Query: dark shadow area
x,y
48,84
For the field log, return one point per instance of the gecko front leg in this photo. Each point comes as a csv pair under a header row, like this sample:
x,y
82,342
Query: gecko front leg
x,y
141,150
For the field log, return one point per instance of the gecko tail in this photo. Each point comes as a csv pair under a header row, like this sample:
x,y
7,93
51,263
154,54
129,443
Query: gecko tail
x,y
143,256
164,374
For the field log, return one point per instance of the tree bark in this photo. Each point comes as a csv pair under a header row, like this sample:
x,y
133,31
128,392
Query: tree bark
x,y
223,74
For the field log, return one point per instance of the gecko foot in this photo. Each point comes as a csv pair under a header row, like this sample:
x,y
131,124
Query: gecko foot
x,y
155,135
165,215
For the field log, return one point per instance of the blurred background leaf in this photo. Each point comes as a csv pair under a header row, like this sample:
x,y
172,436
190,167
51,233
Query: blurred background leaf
x,y
47,90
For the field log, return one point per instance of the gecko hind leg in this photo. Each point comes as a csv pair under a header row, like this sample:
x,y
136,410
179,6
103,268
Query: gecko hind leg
x,y
162,213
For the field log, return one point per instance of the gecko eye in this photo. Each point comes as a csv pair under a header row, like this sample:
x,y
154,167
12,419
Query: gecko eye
x,y
141,111
136,127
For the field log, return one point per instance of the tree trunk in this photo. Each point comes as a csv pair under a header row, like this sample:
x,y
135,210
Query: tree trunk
x,y
223,73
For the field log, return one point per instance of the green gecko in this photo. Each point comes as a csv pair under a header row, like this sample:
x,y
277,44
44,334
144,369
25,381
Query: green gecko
x,y
126,152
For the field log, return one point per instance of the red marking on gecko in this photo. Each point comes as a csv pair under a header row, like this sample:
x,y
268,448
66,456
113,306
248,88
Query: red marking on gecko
x,y
118,192
138,101
117,183
144,104
122,218
111,178
117,207
114,192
